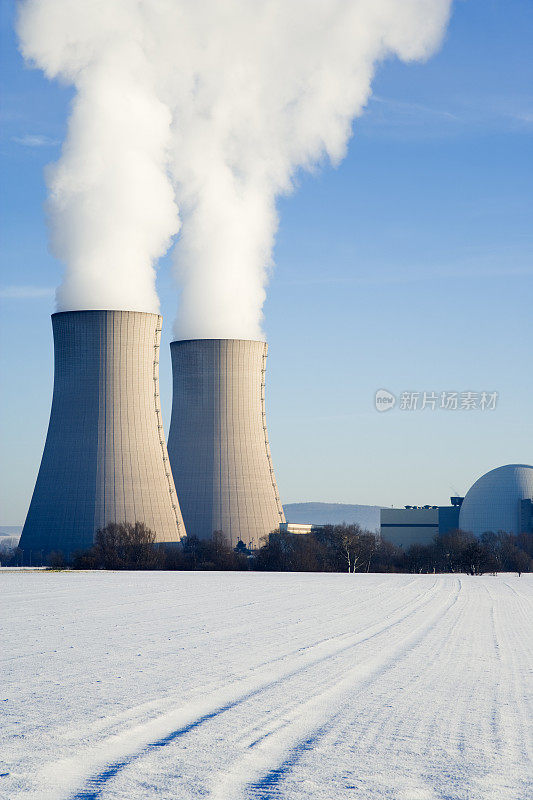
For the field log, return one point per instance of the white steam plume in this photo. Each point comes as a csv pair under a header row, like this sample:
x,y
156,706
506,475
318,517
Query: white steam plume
x,y
210,104
111,205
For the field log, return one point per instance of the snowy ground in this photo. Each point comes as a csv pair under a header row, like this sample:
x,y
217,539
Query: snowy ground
x,y
227,686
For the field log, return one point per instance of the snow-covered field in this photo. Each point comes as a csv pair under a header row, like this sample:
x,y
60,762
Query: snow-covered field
x,y
227,686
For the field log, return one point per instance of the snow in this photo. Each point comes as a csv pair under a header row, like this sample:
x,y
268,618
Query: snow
x,y
254,685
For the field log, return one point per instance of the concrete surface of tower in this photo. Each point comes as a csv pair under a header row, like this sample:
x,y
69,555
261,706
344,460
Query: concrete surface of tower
x,y
105,458
218,444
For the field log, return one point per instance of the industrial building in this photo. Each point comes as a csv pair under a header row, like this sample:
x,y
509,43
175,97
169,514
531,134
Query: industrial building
x,y
418,524
218,443
298,527
105,458
501,500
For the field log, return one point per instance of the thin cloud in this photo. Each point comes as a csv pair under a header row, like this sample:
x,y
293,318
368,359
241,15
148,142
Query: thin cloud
x,y
413,108
386,115
522,116
25,292
35,140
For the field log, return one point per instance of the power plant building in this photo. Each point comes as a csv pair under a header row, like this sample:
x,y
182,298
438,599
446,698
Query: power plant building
x,y
418,524
218,443
105,458
501,500
301,528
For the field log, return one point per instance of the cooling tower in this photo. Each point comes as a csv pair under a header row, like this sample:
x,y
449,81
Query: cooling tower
x,y
218,444
105,458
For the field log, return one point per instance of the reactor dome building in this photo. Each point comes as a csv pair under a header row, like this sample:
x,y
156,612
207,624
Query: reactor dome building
x,y
218,444
105,457
501,500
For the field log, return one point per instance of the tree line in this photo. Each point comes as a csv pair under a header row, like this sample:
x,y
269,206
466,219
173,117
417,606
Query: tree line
x,y
348,548
331,548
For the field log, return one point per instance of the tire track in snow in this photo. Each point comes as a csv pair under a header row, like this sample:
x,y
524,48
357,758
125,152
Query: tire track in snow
x,y
258,774
287,723
195,618
129,714
445,749
114,723
423,756
107,759
516,739
423,728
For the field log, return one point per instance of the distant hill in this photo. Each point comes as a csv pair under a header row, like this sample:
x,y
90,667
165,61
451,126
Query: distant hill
x,y
323,513
10,534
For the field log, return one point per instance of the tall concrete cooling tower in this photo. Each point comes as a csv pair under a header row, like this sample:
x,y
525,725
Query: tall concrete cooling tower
x,y
105,457
218,444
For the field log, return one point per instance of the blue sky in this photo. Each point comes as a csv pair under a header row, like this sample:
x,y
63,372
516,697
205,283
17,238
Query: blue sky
x,y
409,268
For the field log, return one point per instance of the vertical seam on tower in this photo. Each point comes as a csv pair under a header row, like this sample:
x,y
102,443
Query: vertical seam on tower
x,y
166,462
105,388
267,447
114,400
123,329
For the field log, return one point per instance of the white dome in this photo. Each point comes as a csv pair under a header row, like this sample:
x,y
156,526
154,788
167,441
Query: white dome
x,y
493,502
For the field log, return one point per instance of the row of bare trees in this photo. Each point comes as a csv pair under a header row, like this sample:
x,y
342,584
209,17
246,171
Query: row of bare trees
x,y
337,548
458,551
133,547
331,548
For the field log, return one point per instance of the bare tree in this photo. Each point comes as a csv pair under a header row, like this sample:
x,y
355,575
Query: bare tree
x,y
349,546
125,546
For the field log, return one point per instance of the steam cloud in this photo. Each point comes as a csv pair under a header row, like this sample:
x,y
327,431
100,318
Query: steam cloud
x,y
209,107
